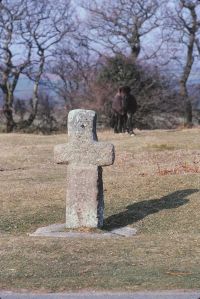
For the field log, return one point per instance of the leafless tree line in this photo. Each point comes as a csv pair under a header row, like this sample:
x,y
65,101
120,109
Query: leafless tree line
x,y
29,32
44,39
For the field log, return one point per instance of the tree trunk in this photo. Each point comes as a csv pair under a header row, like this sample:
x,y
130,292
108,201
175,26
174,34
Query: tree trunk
x,y
187,104
191,31
188,113
9,119
8,112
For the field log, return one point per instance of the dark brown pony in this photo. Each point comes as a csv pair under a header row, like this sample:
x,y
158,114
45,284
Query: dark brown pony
x,y
119,110
123,107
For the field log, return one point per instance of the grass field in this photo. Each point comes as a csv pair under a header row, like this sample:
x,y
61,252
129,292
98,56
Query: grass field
x,y
154,185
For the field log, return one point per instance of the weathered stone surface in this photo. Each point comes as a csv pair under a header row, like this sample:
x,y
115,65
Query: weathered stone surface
x,y
58,231
84,152
85,157
83,146
84,196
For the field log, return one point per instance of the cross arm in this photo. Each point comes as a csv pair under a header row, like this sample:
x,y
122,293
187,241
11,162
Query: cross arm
x,y
86,153
105,153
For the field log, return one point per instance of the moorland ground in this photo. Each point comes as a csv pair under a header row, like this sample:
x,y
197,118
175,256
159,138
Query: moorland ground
x,y
154,186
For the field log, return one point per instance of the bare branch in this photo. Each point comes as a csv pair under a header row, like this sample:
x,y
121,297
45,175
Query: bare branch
x,y
121,24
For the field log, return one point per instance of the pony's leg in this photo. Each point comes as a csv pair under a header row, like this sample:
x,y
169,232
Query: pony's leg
x,y
124,123
120,123
116,129
112,120
130,123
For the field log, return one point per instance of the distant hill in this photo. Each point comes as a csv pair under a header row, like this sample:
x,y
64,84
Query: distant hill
x,y
25,88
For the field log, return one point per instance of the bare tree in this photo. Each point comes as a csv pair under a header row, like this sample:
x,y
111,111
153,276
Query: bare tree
x,y
72,70
47,22
31,29
182,26
46,115
12,64
119,25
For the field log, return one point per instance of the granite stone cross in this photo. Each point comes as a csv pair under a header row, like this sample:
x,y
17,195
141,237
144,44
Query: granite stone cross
x,y
85,157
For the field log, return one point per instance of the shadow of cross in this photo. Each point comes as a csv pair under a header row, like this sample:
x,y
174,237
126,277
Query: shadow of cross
x,y
139,210
85,157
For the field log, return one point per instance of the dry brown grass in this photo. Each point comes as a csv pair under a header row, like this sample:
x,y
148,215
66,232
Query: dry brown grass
x,y
153,185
